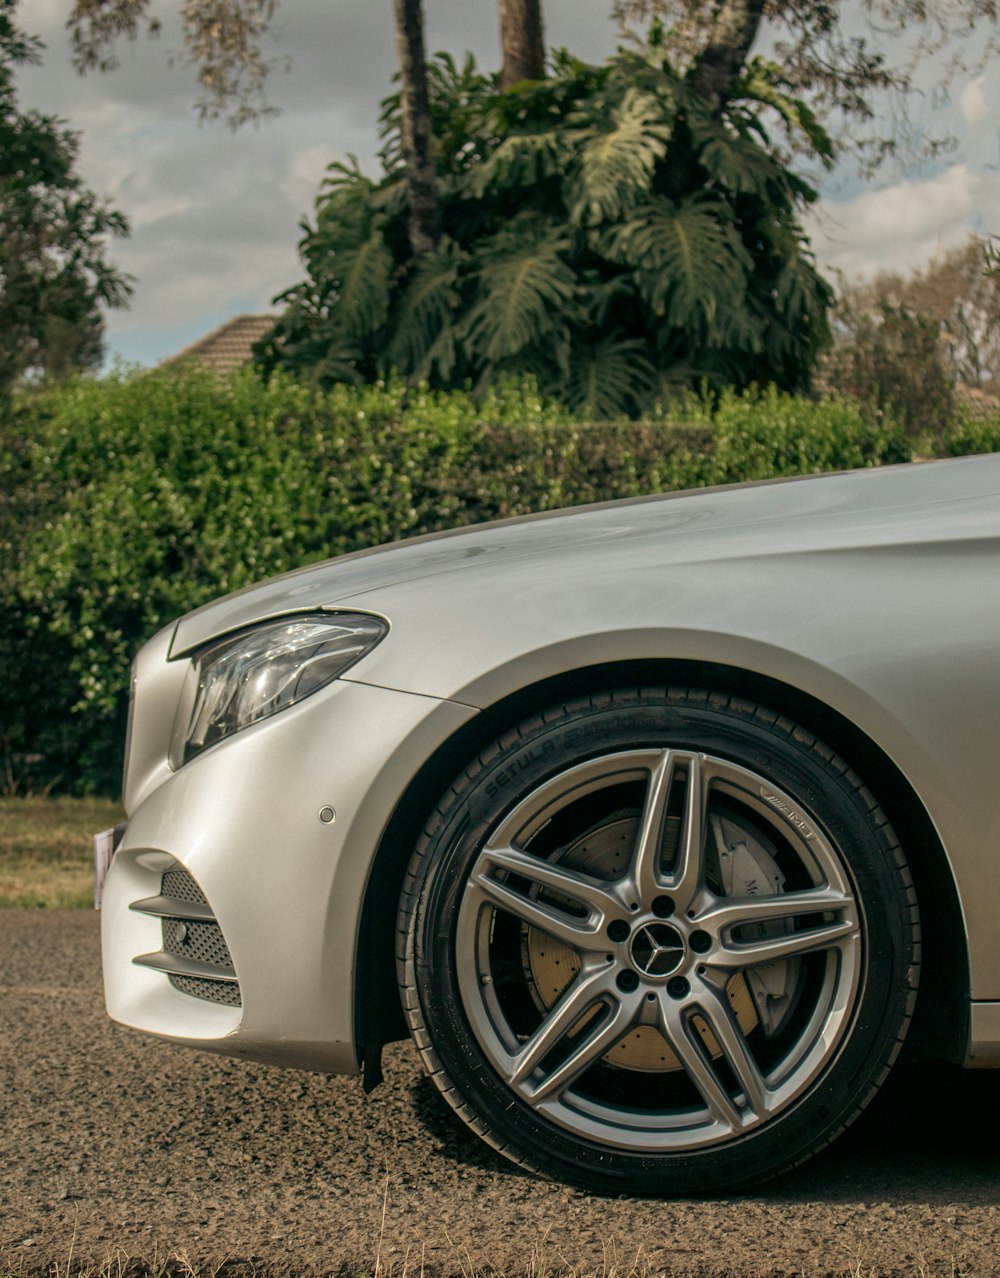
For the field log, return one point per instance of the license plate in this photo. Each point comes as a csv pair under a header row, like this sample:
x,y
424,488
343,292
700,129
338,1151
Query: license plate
x,y
104,850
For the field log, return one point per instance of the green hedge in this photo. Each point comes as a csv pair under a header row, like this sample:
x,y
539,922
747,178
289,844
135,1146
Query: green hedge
x,y
970,434
127,501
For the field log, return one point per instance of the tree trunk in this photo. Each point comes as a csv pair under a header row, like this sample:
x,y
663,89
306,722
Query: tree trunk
x,y
716,69
522,41
417,137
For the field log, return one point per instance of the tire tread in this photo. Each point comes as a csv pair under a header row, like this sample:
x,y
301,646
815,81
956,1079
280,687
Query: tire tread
x,y
550,718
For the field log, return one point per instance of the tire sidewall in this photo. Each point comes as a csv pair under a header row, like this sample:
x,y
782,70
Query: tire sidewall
x,y
828,795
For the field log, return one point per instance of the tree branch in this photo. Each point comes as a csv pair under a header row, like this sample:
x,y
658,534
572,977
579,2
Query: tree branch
x,y
717,67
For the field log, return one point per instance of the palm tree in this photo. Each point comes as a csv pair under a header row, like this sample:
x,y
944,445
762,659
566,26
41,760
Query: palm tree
x,y
417,141
522,41
523,46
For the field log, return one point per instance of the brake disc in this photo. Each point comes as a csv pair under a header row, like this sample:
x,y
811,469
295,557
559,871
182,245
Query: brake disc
x,y
745,868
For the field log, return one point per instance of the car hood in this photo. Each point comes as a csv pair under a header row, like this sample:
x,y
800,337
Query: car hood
x,y
830,510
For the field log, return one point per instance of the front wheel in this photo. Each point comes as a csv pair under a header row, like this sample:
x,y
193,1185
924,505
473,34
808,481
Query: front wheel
x,y
658,941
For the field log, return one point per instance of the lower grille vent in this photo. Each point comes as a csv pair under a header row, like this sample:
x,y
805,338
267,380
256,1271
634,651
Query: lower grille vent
x,y
202,942
179,885
212,991
195,957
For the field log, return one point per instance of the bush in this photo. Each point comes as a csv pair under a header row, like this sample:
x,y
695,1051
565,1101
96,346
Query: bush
x,y
605,230
885,355
132,500
36,685
972,433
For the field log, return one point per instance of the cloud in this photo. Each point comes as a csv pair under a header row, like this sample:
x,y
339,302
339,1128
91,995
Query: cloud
x,y
903,226
215,215
972,103
215,228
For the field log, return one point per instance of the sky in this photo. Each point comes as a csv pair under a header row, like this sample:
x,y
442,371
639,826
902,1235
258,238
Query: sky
x,y
215,214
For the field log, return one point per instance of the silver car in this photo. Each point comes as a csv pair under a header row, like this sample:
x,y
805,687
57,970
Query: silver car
x,y
661,826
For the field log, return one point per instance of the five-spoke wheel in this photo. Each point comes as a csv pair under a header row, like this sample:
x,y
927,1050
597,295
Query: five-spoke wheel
x,y
658,941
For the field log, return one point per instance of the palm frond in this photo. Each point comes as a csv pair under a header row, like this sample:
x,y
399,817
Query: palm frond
x,y
340,362
526,291
737,328
389,198
733,161
344,186
440,358
345,217
607,379
422,342
363,278
799,300
764,82
617,164
687,257
522,160
601,294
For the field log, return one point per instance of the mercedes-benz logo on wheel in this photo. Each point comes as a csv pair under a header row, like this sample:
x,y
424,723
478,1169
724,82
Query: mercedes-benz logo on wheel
x,y
657,949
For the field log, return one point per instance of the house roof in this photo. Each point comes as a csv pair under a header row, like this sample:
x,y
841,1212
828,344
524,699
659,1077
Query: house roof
x,y
229,346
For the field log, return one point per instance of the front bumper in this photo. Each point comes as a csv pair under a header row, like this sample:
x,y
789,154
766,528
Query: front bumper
x,y
284,885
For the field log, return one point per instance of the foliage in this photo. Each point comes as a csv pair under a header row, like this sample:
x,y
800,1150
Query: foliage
x,y
602,231
968,435
141,497
927,343
27,497
958,294
890,357
54,273
223,39
854,63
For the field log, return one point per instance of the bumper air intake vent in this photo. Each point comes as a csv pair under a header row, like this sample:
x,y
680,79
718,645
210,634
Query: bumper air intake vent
x,y
195,957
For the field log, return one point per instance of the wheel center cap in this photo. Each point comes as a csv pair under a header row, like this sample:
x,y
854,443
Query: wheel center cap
x,y
657,949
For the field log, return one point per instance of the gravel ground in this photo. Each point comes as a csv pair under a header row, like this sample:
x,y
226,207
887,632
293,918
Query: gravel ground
x,y
120,1141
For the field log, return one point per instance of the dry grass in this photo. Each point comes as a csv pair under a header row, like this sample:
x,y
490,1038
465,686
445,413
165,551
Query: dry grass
x,y
46,854
545,1262
118,1263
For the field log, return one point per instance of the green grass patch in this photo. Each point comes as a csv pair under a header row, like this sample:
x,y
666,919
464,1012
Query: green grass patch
x,y
46,852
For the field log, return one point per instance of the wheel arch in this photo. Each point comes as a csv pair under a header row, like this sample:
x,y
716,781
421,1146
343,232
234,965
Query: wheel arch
x,y
940,1026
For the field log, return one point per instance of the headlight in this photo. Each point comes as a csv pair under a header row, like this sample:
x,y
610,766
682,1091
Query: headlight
x,y
249,676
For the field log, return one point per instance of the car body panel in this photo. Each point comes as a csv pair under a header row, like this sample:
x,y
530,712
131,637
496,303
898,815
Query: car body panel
x,y
243,820
154,695
740,521
939,732
873,592
861,624
984,1037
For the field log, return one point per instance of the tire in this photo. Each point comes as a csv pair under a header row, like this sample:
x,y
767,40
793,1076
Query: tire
x,y
658,941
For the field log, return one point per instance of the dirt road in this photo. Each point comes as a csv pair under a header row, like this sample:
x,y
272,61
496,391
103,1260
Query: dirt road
x,y
126,1142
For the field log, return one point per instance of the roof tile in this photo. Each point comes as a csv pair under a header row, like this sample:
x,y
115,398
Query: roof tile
x,y
229,346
